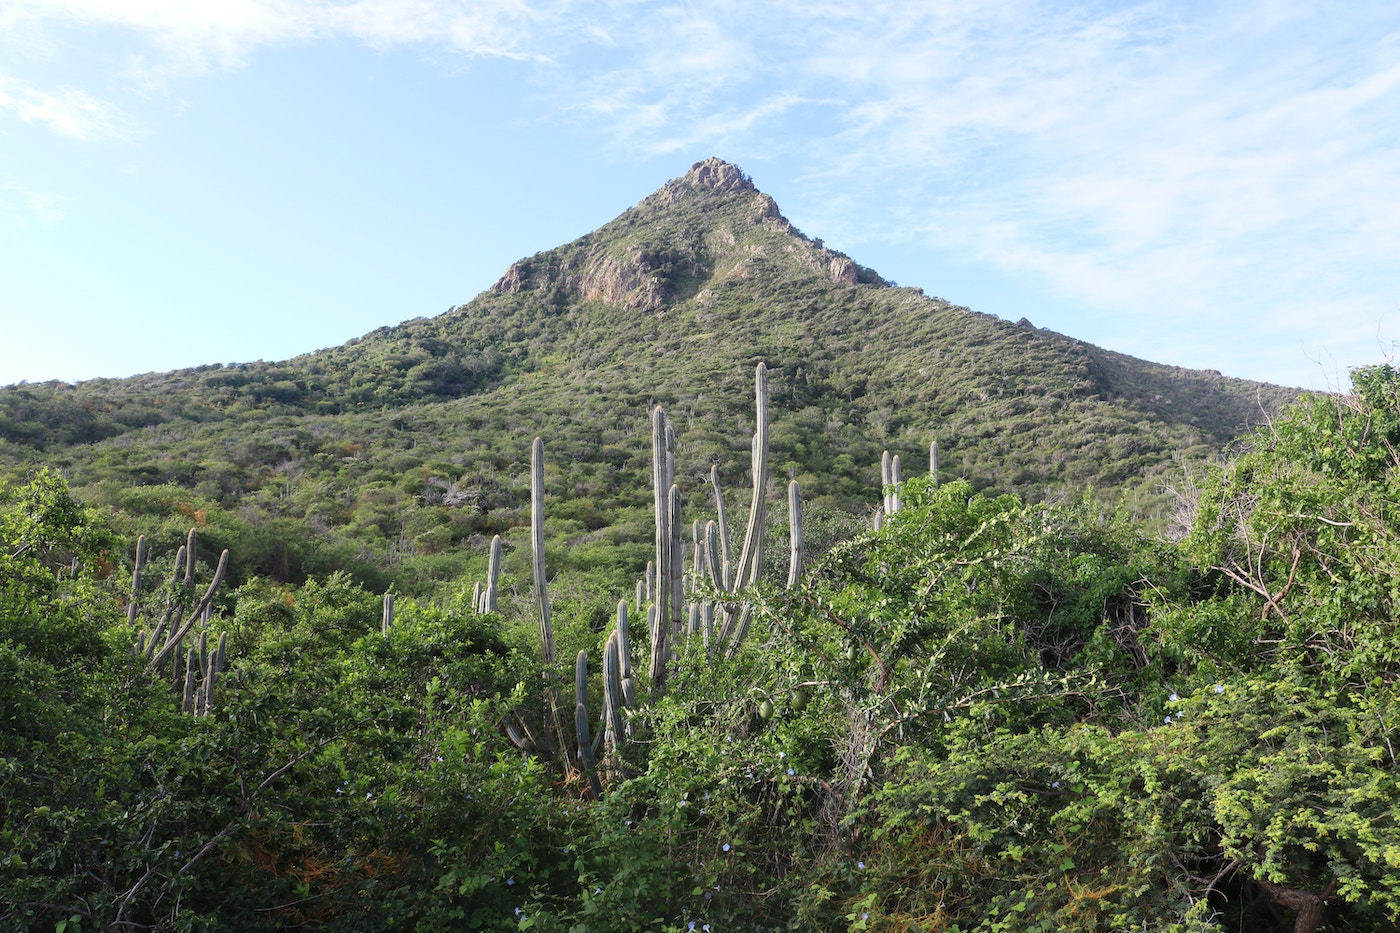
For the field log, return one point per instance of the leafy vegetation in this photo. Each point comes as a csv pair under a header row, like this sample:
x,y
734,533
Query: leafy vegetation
x,y
985,716
1012,707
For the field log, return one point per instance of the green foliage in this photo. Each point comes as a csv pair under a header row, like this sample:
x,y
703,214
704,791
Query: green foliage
x,y
990,715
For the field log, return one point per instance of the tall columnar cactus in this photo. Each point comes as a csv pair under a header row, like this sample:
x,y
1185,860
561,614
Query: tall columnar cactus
x,y
676,562
387,619
656,633
751,557
933,462
171,608
191,674
173,642
796,553
537,550
736,615
213,671
895,481
712,564
615,728
661,494
187,705
624,639
493,576
723,564
585,741
133,606
886,480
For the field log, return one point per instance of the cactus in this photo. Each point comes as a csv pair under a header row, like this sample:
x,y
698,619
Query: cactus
x,y
713,567
615,727
493,576
387,620
537,550
933,462
173,642
886,473
189,558
895,482
187,705
751,557
675,562
736,617
661,493
723,562
170,607
795,553
216,668
658,645
624,640
585,742
132,606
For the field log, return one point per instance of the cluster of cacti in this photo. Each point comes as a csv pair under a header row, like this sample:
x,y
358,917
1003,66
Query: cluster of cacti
x,y
661,593
890,481
889,485
160,643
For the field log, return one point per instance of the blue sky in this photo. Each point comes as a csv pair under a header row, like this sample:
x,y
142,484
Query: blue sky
x,y
1209,185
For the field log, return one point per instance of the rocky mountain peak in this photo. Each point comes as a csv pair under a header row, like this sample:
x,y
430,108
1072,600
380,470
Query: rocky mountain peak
x,y
717,174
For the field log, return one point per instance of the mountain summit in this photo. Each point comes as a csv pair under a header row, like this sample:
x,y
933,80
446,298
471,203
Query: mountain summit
x,y
709,222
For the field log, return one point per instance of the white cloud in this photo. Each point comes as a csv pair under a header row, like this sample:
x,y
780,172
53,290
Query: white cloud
x,y
66,110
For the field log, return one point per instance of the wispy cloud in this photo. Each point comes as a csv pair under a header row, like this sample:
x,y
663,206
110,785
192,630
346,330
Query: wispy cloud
x,y
1183,171
66,110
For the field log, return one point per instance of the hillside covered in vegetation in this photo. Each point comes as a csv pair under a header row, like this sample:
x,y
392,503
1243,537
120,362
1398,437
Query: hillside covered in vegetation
x,y
988,715
338,644
397,456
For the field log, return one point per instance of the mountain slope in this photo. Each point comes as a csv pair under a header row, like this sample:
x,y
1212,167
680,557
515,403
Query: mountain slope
x,y
414,439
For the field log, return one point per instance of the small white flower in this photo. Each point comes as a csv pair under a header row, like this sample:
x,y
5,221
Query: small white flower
x,y
685,803
510,881
865,915
791,772
1054,783
1173,698
725,847
1168,720
520,911
860,865
782,754
1219,688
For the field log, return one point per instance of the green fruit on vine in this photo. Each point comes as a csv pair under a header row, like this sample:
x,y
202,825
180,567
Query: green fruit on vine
x,y
850,652
799,699
765,710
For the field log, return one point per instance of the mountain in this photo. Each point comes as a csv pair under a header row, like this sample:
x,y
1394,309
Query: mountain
x,y
413,441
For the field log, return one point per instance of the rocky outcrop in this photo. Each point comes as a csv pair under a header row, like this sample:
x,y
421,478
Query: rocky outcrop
x,y
842,271
717,174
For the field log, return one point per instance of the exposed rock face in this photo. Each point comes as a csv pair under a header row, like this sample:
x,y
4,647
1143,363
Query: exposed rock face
x,y
511,283
843,271
621,282
718,174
